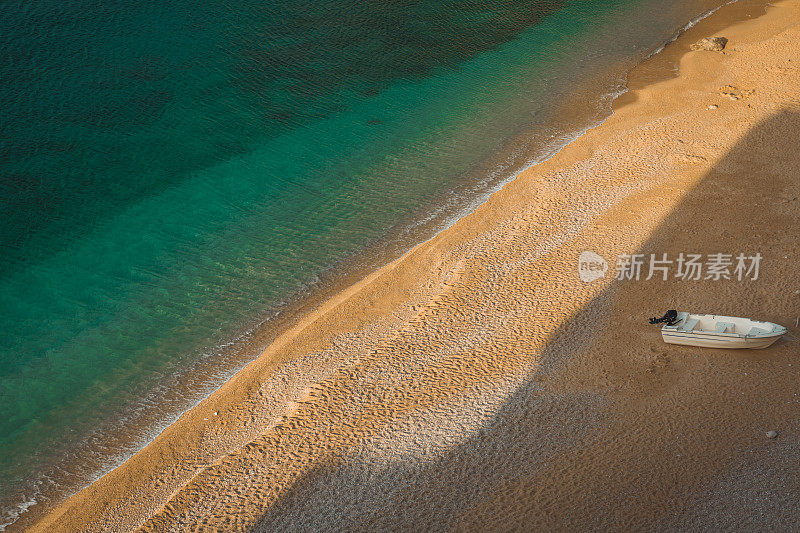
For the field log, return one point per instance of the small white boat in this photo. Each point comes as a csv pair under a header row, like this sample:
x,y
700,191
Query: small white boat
x,y
712,331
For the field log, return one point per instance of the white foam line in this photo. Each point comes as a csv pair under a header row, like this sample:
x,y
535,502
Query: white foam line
x,y
688,25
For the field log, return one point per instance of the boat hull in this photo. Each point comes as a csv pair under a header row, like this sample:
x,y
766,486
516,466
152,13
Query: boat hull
x,y
704,341
713,331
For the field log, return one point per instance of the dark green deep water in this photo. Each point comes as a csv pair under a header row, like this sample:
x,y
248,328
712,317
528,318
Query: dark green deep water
x,y
171,174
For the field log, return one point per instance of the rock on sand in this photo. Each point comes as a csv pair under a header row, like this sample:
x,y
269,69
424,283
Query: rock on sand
x,y
712,44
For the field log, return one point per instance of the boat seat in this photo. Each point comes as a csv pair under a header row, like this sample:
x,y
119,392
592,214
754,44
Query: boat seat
x,y
757,331
725,327
689,325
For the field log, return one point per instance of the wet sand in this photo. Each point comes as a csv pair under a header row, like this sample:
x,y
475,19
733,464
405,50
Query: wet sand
x,y
478,383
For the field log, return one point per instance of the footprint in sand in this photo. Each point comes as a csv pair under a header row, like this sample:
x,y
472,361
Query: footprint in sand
x,y
736,93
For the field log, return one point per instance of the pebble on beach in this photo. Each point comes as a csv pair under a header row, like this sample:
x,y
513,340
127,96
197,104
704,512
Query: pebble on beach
x,y
772,434
713,106
712,44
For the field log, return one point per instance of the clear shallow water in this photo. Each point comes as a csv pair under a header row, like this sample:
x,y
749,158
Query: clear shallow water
x,y
171,174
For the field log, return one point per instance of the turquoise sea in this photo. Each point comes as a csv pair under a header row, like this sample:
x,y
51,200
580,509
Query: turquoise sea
x,y
172,175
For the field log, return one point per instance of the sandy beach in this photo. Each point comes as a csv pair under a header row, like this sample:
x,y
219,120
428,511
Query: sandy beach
x,y
477,383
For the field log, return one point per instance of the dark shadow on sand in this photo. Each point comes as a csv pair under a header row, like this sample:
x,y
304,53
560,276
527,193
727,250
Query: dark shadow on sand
x,y
596,437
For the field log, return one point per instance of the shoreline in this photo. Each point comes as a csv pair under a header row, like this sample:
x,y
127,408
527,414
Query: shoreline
x,y
304,301
174,448
224,360
231,357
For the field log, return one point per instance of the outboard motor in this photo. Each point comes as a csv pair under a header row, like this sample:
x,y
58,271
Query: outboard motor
x,y
670,318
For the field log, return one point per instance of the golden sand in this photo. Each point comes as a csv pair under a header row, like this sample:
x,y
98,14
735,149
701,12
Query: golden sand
x,y
477,383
